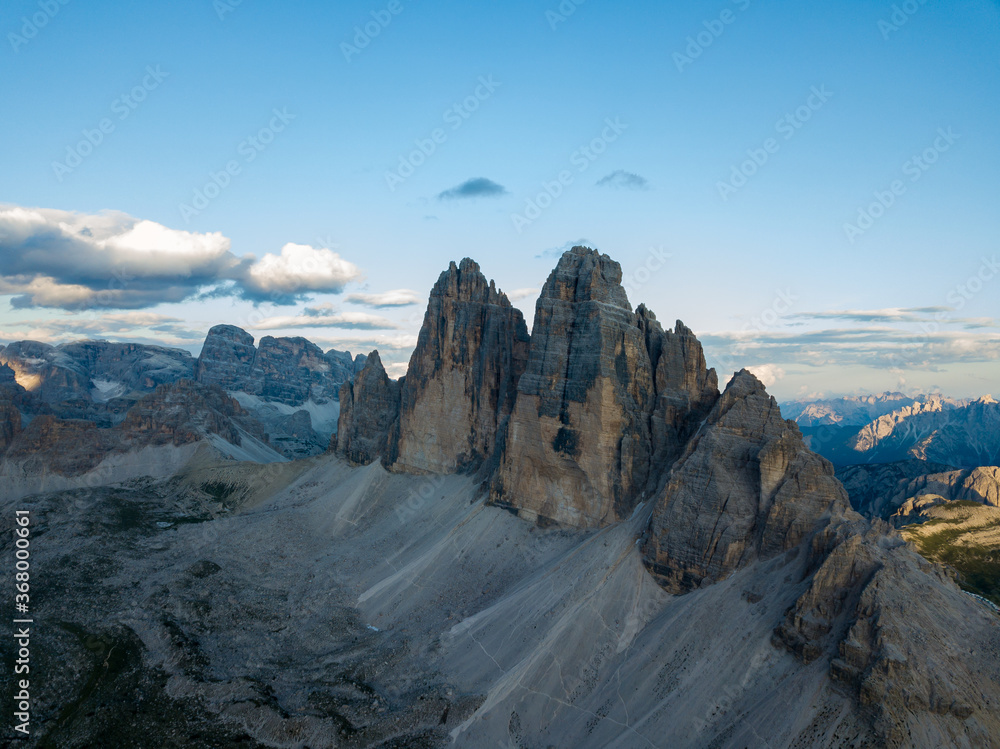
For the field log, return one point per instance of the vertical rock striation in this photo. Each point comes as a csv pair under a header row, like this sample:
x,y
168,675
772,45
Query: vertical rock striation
x,y
369,415
746,488
226,358
604,401
462,378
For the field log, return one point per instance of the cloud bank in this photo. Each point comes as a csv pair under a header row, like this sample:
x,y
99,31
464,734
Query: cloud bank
x,y
72,261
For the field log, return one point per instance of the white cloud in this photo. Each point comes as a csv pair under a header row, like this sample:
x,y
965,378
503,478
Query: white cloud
x,y
324,316
519,294
768,374
61,259
394,298
301,267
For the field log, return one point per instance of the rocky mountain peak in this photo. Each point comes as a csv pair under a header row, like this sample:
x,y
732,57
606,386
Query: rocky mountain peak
x,y
463,374
369,414
583,275
606,401
746,488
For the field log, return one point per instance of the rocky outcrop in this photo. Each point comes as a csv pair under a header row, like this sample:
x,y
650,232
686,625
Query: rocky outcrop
x,y
462,378
904,639
94,371
174,414
580,446
45,371
880,490
290,371
686,389
10,424
746,488
369,415
226,358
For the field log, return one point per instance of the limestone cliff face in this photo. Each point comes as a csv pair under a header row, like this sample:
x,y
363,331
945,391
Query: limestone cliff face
x,y
369,415
578,444
746,488
605,404
903,638
290,371
226,357
10,424
686,389
462,377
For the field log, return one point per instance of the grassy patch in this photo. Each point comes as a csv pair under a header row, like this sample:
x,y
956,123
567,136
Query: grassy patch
x,y
977,565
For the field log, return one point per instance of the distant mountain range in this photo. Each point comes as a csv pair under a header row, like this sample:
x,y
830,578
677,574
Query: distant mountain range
x,y
288,385
892,427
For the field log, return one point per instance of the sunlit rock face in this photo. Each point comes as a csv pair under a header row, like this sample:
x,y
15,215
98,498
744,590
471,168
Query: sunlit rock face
x,y
746,488
603,403
462,378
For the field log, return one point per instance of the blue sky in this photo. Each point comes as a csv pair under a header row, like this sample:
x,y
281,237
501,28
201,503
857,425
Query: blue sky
x,y
646,112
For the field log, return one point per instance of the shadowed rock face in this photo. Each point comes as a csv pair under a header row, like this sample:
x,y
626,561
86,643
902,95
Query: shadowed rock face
x,y
177,413
463,374
605,403
10,424
281,370
226,358
746,488
293,370
369,415
685,388
78,371
578,444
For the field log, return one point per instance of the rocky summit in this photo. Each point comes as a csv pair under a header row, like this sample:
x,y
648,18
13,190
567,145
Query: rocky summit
x,y
745,489
568,538
463,375
599,382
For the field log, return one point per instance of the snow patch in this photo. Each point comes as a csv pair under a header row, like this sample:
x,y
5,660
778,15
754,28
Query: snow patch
x,y
322,415
104,390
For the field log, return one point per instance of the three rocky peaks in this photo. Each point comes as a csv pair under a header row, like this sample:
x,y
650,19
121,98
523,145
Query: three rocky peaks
x,y
598,410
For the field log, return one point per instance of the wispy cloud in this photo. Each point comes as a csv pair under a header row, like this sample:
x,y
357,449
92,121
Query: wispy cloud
x,y
518,294
118,325
325,316
879,347
479,187
383,299
622,180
